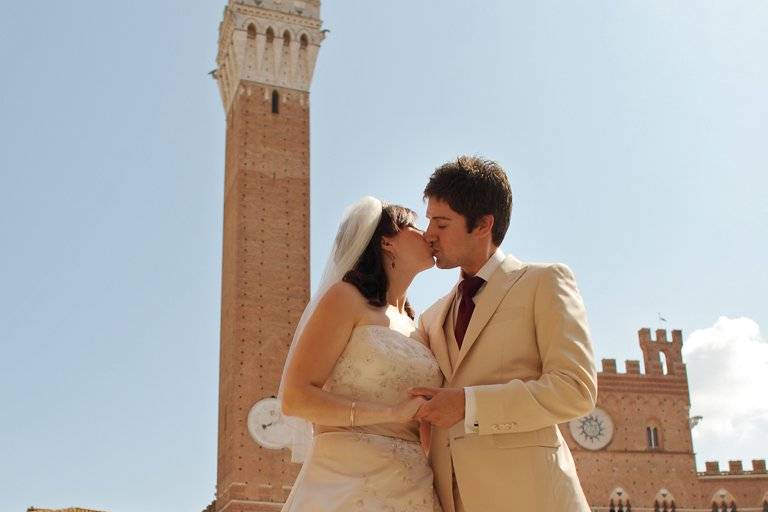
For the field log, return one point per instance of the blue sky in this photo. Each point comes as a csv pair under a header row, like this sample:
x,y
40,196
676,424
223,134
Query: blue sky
x,y
633,134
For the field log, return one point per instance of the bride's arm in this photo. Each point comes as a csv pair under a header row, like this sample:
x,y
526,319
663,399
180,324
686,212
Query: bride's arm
x,y
321,344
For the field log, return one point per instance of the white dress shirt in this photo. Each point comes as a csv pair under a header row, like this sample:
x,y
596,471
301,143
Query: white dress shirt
x,y
485,272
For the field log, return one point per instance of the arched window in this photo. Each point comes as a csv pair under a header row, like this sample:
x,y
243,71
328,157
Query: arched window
x,y
251,31
723,501
619,501
270,35
652,437
303,42
286,38
663,363
275,102
664,501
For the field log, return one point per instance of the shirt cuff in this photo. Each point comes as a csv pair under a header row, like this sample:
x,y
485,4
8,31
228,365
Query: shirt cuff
x,y
470,412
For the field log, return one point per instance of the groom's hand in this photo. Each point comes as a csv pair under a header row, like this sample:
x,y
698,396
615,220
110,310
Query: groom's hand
x,y
444,406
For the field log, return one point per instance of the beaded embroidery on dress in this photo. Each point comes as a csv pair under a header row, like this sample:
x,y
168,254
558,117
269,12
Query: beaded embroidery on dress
x,y
374,467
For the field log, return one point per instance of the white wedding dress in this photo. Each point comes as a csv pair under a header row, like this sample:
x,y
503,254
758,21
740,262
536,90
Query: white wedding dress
x,y
375,467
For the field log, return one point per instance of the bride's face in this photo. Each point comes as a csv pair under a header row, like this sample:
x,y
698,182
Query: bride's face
x,y
412,250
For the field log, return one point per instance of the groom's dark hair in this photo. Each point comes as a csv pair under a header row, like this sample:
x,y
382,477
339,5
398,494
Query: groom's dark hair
x,y
474,187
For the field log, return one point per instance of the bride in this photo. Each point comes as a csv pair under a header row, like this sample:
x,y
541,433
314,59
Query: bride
x,y
353,358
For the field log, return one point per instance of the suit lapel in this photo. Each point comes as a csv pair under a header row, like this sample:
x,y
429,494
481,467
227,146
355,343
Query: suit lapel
x,y
510,270
437,341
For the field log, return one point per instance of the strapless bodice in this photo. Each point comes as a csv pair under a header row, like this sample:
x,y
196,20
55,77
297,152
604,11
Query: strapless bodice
x,y
379,365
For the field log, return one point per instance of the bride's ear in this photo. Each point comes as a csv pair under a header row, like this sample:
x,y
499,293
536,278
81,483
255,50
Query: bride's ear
x,y
387,245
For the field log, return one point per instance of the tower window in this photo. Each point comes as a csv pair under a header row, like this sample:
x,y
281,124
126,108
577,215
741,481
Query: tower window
x,y
664,502
251,31
652,436
303,41
724,507
723,501
270,35
619,501
286,38
663,363
275,102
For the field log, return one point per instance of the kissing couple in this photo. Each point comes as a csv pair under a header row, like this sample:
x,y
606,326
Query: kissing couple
x,y
457,412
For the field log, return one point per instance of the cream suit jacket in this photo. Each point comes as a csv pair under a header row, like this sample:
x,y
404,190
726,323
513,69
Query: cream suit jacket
x,y
528,357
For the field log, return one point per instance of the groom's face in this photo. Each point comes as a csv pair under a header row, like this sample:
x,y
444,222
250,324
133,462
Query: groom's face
x,y
447,234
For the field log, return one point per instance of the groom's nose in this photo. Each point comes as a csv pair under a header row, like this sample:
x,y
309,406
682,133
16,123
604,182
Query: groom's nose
x,y
429,234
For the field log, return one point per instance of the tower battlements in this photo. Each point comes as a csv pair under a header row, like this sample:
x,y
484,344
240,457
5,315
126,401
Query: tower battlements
x,y
735,469
661,356
663,368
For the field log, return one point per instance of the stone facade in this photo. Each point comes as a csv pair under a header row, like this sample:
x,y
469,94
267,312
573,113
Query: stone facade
x,y
649,458
267,51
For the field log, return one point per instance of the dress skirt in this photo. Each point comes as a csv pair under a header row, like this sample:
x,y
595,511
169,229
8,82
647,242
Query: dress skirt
x,y
353,471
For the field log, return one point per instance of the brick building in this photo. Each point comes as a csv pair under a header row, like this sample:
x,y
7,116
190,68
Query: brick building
x,y
635,450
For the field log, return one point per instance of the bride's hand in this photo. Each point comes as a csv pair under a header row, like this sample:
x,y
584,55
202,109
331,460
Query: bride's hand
x,y
425,436
406,410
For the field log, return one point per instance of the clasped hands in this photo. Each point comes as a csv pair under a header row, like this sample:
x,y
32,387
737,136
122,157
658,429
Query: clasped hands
x,y
443,407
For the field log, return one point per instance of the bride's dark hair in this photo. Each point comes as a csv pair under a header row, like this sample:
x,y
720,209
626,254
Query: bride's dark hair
x,y
368,274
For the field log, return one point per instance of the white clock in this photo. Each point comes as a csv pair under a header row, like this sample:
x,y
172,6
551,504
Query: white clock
x,y
267,425
593,431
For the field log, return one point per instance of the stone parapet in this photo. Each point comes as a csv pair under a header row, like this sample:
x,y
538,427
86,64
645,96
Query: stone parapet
x,y
735,469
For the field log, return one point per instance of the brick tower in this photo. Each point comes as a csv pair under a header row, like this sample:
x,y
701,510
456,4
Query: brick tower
x,y
266,57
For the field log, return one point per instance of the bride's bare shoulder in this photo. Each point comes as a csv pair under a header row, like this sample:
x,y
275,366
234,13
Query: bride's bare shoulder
x,y
344,295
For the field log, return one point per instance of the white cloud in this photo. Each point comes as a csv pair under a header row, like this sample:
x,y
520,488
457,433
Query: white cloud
x,y
728,375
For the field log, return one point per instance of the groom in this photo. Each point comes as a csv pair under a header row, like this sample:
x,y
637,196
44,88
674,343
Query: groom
x,y
513,344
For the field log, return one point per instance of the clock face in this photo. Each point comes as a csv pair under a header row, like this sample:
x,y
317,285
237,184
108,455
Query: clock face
x,y
593,431
267,425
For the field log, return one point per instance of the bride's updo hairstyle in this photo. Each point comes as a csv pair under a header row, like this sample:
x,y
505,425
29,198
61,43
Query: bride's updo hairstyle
x,y
368,274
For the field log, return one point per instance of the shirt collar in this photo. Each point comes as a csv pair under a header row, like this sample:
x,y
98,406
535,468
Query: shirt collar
x,y
487,270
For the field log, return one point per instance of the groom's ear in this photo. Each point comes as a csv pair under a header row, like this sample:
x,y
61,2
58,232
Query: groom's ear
x,y
484,225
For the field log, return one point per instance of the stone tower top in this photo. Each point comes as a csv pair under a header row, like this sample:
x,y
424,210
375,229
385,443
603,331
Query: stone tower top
x,y
270,42
308,8
660,355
